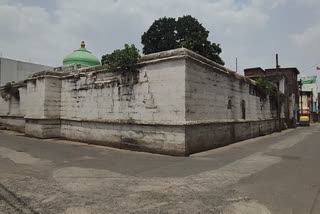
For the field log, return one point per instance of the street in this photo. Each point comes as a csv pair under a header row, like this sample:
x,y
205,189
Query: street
x,y
274,174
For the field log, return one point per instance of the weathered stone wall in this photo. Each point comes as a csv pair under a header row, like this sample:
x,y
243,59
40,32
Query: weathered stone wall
x,y
52,102
213,94
35,98
13,123
11,113
162,139
202,137
153,93
133,108
43,103
220,109
4,107
176,102
23,100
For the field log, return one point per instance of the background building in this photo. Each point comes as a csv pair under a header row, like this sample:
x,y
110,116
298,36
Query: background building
x,y
14,71
318,102
309,83
287,78
309,96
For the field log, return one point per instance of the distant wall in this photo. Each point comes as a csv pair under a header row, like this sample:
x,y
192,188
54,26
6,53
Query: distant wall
x,y
14,71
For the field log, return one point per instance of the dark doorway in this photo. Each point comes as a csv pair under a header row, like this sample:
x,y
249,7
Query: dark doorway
x,y
243,109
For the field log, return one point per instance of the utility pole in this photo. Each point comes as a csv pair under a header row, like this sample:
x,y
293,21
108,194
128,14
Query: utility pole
x,y
278,93
301,106
236,64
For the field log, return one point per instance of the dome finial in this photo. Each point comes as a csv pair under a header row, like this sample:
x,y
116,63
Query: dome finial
x,y
83,45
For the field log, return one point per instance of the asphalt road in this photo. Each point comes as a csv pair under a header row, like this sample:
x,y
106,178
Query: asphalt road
x,y
279,173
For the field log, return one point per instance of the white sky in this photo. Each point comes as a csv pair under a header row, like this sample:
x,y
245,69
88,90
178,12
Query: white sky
x,y
252,30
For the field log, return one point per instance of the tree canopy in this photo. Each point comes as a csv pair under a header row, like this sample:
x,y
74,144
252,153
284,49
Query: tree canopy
x,y
170,33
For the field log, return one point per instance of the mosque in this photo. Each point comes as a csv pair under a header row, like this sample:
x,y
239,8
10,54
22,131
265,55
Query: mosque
x,y
176,103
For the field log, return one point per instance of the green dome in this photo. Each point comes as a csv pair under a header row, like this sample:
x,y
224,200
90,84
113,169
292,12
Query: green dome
x,y
81,56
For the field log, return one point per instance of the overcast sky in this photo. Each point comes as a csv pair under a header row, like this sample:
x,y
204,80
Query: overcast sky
x,y
252,30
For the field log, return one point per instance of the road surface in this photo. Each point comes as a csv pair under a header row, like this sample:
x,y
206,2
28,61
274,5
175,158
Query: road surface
x,y
279,173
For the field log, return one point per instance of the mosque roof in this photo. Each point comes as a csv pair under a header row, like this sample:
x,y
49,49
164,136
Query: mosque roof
x,y
81,56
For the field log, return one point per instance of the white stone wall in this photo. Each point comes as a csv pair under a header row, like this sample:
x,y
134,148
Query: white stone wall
x,y
42,104
155,94
152,138
14,107
35,98
168,91
13,123
4,107
175,103
41,98
209,91
23,100
52,102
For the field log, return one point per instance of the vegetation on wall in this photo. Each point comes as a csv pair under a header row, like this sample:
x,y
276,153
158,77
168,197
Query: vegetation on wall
x,y
124,59
170,33
265,87
10,91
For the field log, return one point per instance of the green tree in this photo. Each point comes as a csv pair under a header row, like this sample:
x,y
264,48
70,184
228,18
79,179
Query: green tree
x,y
169,33
124,59
161,36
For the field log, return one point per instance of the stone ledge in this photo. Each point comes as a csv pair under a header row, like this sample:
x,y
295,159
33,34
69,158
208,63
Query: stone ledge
x,y
180,52
166,123
140,122
41,118
12,116
188,54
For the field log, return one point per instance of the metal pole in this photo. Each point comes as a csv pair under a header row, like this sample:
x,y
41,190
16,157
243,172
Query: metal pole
x,y
301,97
278,93
236,64
311,113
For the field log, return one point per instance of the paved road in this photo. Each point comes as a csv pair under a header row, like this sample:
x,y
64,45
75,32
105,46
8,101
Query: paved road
x,y
273,174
